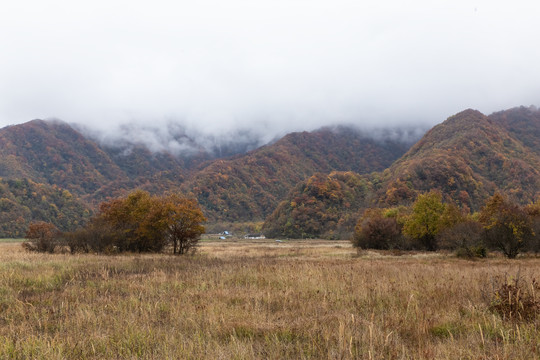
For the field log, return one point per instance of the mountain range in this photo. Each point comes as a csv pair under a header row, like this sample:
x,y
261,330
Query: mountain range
x,y
468,158
249,186
305,184
55,156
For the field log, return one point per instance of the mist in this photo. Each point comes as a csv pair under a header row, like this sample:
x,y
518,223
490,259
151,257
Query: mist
x,y
174,138
211,70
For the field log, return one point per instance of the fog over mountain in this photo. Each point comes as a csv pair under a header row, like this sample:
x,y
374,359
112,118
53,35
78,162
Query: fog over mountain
x,y
178,140
175,138
214,70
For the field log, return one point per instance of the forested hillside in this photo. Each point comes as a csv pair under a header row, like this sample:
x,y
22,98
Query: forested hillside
x,y
523,123
305,184
322,206
52,152
467,158
250,186
53,156
24,200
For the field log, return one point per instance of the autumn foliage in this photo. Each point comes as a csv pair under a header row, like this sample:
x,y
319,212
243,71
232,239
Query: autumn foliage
x,y
312,184
323,206
249,187
466,159
42,237
431,224
138,222
145,223
183,219
23,202
377,230
508,227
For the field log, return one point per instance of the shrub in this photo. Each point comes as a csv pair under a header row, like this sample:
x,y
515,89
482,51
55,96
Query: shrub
x,y
465,238
425,223
533,210
42,237
514,299
184,221
142,223
471,252
375,231
96,236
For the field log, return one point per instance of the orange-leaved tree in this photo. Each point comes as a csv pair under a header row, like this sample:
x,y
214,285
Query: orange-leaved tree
x,y
136,222
145,223
184,222
41,237
376,230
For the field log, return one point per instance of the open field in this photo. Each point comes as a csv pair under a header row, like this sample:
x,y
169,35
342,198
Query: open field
x,y
11,240
258,300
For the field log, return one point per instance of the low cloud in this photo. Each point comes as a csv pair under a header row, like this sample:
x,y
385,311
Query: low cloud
x,y
177,139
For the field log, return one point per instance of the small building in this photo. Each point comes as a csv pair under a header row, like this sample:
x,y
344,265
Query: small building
x,y
255,236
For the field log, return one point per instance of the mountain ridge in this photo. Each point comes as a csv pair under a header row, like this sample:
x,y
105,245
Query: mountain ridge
x,y
269,172
53,154
468,158
312,183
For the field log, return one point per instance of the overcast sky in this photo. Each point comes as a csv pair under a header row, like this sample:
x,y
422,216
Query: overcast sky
x,y
277,65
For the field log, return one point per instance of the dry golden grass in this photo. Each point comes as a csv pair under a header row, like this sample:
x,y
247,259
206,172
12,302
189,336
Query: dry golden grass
x,y
257,300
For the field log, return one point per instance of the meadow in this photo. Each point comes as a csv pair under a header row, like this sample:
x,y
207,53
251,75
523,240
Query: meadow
x,y
261,300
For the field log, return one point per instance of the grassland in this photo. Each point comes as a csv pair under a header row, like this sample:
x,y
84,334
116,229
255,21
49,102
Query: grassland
x,y
11,240
258,300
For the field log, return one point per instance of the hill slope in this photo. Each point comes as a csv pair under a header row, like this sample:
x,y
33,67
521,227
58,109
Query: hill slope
x,y
52,156
54,153
250,186
22,201
523,123
42,162
468,158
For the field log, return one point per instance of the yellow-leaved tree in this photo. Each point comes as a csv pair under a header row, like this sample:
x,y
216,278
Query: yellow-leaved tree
x,y
429,217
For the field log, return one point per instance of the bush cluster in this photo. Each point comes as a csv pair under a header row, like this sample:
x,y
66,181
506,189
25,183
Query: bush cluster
x,y
429,224
42,237
137,223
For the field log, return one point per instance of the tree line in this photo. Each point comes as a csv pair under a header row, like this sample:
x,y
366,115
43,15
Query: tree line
x,y
138,222
430,224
